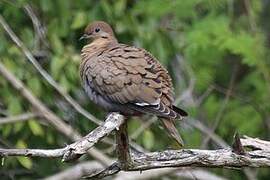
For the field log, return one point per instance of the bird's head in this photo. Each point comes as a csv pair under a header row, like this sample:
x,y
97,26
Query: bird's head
x,y
97,30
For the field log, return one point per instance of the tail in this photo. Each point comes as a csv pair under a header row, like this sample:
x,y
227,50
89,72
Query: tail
x,y
172,131
167,115
179,111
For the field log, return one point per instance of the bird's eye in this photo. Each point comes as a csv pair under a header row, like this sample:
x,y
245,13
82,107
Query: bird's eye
x,y
97,30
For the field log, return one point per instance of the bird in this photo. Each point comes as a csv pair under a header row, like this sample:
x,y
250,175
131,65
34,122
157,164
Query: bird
x,y
126,79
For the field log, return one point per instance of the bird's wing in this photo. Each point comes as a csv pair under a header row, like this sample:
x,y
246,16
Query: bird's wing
x,y
132,76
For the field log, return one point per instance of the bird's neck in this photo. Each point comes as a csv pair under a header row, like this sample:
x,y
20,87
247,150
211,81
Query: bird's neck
x,y
99,45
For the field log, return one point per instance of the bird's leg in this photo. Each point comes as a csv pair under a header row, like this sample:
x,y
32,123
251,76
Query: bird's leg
x,y
122,147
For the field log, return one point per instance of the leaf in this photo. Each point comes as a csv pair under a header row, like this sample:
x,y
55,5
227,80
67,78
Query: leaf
x,y
108,11
148,139
6,130
18,126
21,144
134,124
65,83
56,43
2,161
46,5
56,66
119,7
79,20
27,36
35,128
14,106
25,162
212,104
241,117
72,73
155,8
50,138
34,85
246,45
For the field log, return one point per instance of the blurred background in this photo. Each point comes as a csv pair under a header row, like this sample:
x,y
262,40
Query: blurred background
x,y
217,52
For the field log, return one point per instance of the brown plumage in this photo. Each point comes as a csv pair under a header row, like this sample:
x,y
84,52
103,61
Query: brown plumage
x,y
126,79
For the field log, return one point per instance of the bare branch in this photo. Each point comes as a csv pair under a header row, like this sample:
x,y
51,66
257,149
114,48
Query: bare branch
x,y
198,174
38,27
179,173
44,74
13,119
49,153
76,149
77,171
255,143
90,167
205,130
222,158
144,126
109,171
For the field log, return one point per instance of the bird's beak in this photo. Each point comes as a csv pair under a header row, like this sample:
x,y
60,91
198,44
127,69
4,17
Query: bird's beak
x,y
84,36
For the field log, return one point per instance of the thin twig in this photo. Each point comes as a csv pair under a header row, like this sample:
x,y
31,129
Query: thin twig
x,y
205,130
250,16
39,29
224,104
144,126
18,118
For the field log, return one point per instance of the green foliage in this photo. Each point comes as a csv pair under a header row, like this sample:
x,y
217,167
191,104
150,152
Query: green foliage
x,y
35,127
24,161
148,139
213,36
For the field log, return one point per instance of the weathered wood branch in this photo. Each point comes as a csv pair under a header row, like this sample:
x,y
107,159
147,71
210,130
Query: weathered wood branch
x,y
222,158
200,158
84,168
76,149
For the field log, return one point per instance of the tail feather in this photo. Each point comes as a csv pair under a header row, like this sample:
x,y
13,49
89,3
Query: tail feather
x,y
180,111
159,110
172,131
167,115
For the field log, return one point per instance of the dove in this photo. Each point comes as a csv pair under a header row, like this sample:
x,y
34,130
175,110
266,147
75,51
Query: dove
x,y
126,79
